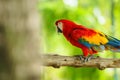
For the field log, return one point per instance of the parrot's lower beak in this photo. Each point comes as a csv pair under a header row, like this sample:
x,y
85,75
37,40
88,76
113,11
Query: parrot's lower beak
x,y
59,30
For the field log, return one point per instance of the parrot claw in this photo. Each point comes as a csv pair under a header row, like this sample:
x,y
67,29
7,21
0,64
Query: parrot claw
x,y
86,59
89,58
82,58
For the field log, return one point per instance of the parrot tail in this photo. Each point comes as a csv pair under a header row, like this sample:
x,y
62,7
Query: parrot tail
x,y
113,44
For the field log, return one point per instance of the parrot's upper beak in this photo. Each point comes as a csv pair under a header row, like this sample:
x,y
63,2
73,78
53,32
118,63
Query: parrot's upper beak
x,y
59,30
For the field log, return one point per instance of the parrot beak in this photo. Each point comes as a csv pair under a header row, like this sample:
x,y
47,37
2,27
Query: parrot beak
x,y
59,30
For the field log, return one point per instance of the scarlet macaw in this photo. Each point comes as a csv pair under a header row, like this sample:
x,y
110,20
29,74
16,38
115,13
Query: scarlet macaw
x,y
89,40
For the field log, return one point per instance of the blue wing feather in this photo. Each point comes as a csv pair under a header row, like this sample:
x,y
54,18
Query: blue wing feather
x,y
113,44
85,43
113,41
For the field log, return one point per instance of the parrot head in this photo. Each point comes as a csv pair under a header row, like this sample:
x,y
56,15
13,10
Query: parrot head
x,y
62,24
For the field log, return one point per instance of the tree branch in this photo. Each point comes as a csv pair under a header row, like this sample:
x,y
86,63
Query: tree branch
x,y
101,63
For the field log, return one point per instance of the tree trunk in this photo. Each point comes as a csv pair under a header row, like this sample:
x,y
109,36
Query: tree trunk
x,y
19,40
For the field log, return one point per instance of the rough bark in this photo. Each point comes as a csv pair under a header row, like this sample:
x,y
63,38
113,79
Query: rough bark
x,y
74,61
19,40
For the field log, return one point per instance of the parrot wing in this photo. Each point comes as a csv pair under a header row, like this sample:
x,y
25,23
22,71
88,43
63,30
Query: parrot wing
x,y
90,38
96,40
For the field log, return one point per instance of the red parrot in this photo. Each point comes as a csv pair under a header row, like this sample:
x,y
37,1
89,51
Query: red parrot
x,y
89,40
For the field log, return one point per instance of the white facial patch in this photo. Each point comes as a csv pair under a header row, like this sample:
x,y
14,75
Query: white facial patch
x,y
60,25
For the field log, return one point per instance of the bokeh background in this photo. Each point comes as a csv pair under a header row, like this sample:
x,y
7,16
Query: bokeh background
x,y
102,15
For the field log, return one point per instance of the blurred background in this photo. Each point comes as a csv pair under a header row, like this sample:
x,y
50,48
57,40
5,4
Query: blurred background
x,y
102,15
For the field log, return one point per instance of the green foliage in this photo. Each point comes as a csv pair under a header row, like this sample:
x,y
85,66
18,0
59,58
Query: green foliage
x,y
91,13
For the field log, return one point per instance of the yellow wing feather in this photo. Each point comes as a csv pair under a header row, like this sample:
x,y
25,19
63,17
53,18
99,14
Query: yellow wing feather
x,y
97,39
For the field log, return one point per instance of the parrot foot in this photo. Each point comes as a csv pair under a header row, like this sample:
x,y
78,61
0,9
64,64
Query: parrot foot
x,y
86,59
82,58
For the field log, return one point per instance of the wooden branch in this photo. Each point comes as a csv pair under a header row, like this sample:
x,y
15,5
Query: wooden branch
x,y
74,61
